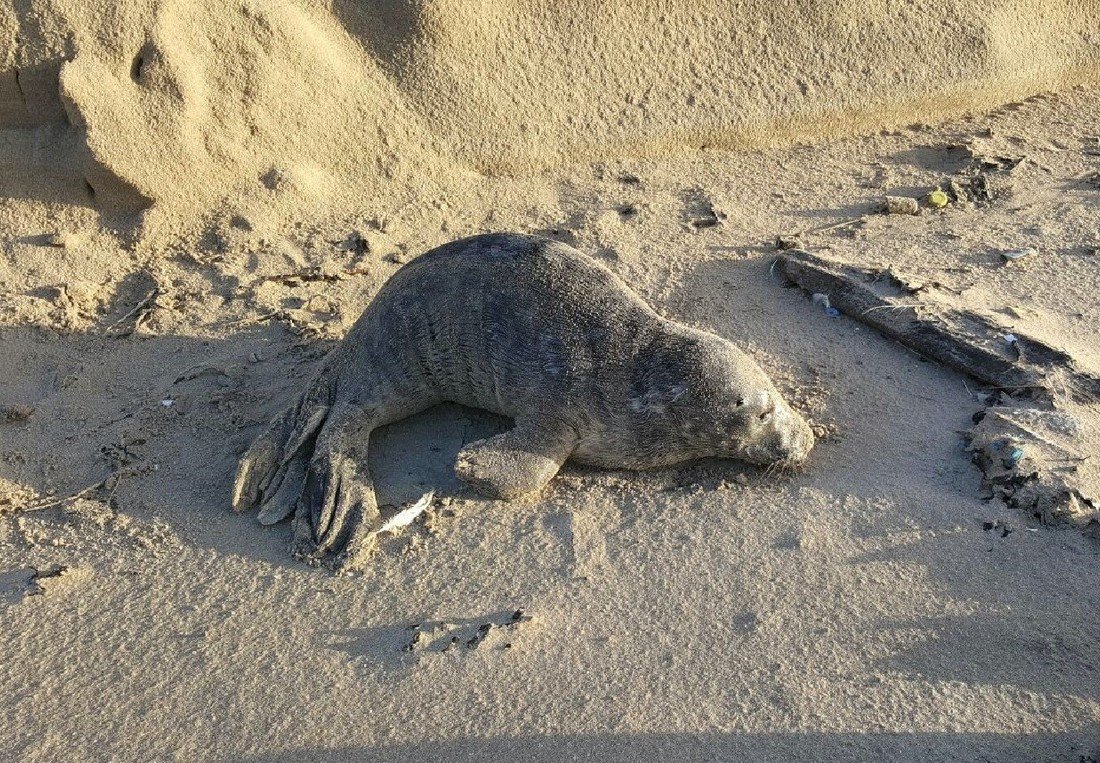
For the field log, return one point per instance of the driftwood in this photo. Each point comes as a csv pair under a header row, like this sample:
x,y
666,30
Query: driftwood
x,y
1030,453
965,341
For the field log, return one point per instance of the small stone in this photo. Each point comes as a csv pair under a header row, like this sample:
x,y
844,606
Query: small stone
x,y
241,223
376,243
902,205
958,191
10,414
82,292
57,578
1018,254
380,223
63,239
358,242
273,179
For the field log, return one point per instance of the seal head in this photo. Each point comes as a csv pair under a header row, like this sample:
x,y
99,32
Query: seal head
x,y
716,401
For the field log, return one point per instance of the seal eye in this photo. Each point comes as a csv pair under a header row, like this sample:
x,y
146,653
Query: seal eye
x,y
766,414
740,401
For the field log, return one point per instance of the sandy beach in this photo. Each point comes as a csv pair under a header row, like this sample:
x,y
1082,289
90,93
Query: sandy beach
x,y
197,200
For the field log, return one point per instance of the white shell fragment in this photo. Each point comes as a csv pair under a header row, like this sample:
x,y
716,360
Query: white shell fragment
x,y
1018,254
405,517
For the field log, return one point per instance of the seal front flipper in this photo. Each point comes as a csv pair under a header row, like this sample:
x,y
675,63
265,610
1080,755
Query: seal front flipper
x,y
519,461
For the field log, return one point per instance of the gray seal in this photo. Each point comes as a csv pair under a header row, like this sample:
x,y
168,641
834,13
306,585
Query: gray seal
x,y
529,328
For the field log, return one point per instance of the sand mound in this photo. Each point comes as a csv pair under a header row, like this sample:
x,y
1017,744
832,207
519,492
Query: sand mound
x,y
184,102
515,84
181,102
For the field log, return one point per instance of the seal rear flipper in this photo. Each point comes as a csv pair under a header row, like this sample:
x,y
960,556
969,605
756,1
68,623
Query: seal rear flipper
x,y
337,512
265,465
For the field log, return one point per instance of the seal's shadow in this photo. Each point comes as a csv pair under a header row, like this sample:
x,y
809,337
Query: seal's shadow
x,y
173,414
417,454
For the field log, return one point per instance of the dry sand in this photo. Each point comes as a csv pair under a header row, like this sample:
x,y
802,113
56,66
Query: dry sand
x,y
197,199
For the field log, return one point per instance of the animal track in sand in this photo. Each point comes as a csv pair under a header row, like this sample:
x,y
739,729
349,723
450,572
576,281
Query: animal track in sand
x,y
406,645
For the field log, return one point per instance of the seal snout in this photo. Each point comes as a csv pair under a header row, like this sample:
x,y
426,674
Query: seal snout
x,y
787,442
796,443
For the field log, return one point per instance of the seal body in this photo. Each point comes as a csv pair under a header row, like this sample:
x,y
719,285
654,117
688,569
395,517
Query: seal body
x,y
529,328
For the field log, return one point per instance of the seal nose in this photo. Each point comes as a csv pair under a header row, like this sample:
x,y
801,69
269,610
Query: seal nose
x,y
798,444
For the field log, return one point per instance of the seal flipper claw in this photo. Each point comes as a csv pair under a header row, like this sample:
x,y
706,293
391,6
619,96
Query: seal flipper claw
x,y
278,506
263,467
362,541
342,514
257,467
337,504
354,512
300,436
302,544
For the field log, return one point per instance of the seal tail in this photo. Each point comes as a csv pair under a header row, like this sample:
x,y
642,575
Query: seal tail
x,y
273,469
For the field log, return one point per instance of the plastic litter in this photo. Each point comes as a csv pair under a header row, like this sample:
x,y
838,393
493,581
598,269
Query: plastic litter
x,y
1005,452
938,199
823,301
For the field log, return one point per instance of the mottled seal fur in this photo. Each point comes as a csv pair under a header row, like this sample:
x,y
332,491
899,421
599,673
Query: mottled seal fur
x,y
529,328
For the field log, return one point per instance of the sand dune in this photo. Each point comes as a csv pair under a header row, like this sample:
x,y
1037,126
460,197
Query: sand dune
x,y
180,102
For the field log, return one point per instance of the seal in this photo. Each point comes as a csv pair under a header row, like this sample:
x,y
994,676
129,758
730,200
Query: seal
x,y
529,328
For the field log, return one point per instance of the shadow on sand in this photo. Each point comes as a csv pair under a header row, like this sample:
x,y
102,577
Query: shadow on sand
x,y
696,748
